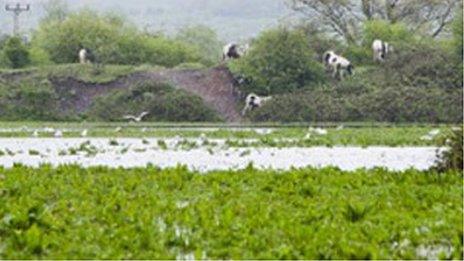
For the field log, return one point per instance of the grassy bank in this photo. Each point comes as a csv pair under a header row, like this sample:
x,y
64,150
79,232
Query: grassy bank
x,y
246,135
70,212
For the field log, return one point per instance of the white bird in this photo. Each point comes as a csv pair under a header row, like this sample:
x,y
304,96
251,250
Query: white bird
x,y
426,138
84,133
58,134
35,134
321,131
263,131
49,130
431,135
203,136
434,133
318,131
136,118
118,129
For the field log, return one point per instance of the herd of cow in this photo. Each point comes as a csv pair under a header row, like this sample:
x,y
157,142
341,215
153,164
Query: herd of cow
x,y
334,63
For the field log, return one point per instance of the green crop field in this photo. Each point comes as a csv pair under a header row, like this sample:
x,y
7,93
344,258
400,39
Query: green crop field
x,y
74,213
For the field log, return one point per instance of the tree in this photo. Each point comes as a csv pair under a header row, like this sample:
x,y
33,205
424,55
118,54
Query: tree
x,y
205,40
345,17
55,10
16,53
458,34
280,61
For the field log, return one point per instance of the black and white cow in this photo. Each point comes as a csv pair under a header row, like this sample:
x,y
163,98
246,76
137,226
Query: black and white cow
x,y
253,101
230,51
84,56
337,64
234,51
381,50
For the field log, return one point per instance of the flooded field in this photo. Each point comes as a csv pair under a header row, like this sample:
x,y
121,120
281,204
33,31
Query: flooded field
x,y
204,154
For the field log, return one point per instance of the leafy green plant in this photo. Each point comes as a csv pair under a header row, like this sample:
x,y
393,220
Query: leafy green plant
x,y
71,212
16,53
279,62
452,157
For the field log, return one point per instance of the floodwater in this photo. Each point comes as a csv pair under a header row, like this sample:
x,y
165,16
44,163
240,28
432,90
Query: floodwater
x,y
136,152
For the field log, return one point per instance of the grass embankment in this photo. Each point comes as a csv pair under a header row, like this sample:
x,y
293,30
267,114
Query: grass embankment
x,y
86,73
74,213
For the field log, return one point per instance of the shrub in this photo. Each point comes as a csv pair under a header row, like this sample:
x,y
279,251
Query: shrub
x,y
357,101
39,57
33,99
423,65
204,40
452,157
458,34
396,34
280,61
162,101
111,39
319,42
16,53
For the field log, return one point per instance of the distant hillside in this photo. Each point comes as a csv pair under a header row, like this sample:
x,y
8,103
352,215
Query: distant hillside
x,y
232,19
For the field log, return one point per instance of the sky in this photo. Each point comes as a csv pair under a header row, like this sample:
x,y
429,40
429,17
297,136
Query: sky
x,y
231,19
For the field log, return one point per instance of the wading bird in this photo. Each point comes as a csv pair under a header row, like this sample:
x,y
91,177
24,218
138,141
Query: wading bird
x,y
136,118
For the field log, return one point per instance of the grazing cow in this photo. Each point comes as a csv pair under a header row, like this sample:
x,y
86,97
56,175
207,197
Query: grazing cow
x,y
381,50
234,51
83,56
253,101
230,51
339,65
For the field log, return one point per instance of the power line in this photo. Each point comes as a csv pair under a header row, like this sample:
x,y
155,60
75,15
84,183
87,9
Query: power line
x,y
17,10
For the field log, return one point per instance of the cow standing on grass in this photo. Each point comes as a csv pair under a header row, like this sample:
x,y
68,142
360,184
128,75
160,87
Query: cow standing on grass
x,y
381,50
234,51
253,101
339,65
86,56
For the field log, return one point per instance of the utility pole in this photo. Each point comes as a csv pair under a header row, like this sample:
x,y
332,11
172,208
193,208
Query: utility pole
x,y
17,10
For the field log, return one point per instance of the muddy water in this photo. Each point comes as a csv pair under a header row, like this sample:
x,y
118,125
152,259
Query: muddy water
x,y
138,153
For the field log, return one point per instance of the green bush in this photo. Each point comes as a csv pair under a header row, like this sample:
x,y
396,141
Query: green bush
x,y
458,34
112,41
204,40
39,57
279,61
162,101
423,65
16,53
395,34
386,31
354,101
33,99
452,157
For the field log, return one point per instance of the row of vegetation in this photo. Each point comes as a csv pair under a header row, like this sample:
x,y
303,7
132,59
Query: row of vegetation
x,y
166,214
